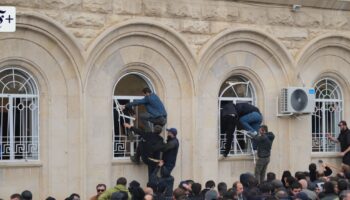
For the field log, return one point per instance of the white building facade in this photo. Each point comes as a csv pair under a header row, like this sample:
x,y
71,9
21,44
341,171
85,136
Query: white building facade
x,y
63,72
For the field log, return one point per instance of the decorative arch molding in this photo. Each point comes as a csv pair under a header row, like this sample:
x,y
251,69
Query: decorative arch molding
x,y
56,32
320,43
52,38
253,36
153,31
330,55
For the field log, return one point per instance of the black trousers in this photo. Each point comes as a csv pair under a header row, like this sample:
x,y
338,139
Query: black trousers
x,y
229,124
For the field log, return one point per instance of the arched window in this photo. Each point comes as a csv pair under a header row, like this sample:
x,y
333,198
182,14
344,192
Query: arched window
x,y
19,119
328,113
236,89
128,88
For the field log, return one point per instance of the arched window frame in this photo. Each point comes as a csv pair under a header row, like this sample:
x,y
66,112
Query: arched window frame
x,y
328,113
119,145
20,136
236,148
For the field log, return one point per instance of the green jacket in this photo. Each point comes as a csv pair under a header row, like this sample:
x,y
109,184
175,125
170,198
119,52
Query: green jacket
x,y
106,195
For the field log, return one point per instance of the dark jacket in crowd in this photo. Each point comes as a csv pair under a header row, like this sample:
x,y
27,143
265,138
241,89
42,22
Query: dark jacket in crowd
x,y
169,155
245,108
264,144
153,105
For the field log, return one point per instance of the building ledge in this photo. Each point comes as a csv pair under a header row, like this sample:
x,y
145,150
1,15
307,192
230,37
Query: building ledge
x,y
125,161
236,157
20,164
325,155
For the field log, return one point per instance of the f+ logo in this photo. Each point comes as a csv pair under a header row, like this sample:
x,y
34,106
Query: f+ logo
x,y
7,19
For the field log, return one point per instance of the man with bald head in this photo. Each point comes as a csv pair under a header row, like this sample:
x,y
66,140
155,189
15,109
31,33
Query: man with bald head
x,y
310,194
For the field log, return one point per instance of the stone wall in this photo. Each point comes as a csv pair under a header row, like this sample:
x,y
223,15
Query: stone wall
x,y
196,20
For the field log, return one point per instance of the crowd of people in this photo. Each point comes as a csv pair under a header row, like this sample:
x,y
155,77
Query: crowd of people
x,y
319,182
160,158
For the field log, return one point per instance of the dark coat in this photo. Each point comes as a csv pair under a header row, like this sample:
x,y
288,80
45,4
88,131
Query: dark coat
x,y
150,144
169,156
245,108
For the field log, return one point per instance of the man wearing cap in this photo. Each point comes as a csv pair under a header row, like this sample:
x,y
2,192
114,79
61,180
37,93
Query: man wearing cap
x,y
168,162
344,140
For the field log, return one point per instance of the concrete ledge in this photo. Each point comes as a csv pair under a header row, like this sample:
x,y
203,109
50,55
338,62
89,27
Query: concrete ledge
x,y
236,157
20,164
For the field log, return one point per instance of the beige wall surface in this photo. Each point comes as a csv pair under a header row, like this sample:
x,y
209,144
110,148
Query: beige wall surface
x,y
77,51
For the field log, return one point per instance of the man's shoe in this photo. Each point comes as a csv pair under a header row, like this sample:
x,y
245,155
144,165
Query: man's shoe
x,y
135,160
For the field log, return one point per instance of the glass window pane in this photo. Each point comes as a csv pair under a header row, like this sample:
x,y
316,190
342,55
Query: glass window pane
x,y
18,116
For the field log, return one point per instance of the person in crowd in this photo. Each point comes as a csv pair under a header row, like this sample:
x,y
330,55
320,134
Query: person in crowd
x,y
211,195
156,113
100,188
310,194
148,197
222,188
328,192
294,189
120,187
121,195
266,190
344,140
285,175
209,185
74,196
196,190
238,189
50,198
179,194
15,196
229,120
27,195
264,143
270,176
136,191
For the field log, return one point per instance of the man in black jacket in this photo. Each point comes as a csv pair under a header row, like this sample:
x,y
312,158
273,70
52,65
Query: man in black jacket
x,y
151,144
168,162
229,121
344,140
264,143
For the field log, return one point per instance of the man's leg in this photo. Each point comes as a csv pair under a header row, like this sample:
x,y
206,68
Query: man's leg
x,y
145,118
246,120
230,127
256,123
158,121
264,168
260,168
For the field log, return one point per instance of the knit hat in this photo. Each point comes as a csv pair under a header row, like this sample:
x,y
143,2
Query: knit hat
x,y
172,130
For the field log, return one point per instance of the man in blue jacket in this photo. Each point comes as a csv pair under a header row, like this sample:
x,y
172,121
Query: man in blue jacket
x,y
156,112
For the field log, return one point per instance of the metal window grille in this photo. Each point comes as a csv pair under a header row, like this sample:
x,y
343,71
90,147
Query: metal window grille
x,y
19,117
129,85
328,113
236,89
